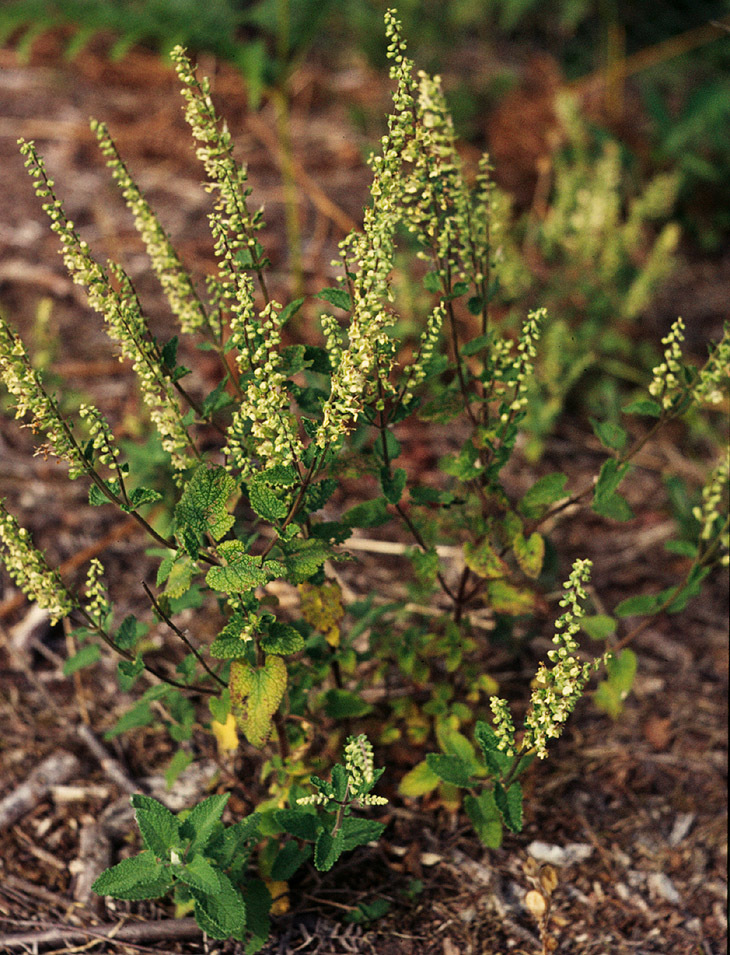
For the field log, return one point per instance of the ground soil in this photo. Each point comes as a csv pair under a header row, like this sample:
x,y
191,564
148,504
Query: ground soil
x,y
633,811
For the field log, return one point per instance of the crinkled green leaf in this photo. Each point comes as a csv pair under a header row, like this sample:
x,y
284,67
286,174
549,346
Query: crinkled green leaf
x,y
139,877
509,803
282,639
289,859
222,912
368,514
202,820
258,906
485,817
305,558
143,495
241,572
358,831
301,823
199,874
344,704
233,641
328,849
256,693
450,769
497,762
338,297
202,508
158,826
641,605
266,502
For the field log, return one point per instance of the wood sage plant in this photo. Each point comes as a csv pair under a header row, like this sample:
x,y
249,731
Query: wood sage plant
x,y
258,508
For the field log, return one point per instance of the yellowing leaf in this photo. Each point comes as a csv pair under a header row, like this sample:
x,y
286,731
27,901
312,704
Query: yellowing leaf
x,y
506,598
256,693
279,892
484,560
530,553
420,780
322,608
226,734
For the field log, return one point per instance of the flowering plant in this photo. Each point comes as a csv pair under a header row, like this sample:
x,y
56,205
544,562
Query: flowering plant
x,y
248,513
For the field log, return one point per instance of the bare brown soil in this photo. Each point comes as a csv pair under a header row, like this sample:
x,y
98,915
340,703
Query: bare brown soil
x,y
633,811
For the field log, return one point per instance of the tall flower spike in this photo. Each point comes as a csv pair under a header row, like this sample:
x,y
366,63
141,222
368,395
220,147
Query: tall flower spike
x,y
557,689
666,383
28,568
120,309
715,375
174,279
232,225
32,401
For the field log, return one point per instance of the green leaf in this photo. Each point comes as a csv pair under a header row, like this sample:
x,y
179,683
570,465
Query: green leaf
x,y
241,572
530,553
265,502
328,849
483,560
139,877
599,626
359,832
143,495
202,508
180,575
138,715
290,310
177,765
301,823
282,639
85,657
233,642
450,769
199,874
418,781
682,548
643,406
222,912
642,605
368,514
495,759
344,704
610,435
256,694
202,820
509,803
338,297
158,826
289,859
128,671
432,282
393,484
485,817
304,559
258,906
610,477
542,494
129,632
616,507
611,693
692,588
